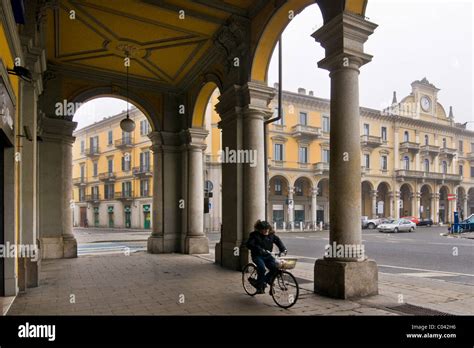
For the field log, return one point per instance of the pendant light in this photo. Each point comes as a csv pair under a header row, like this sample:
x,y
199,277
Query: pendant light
x,y
127,124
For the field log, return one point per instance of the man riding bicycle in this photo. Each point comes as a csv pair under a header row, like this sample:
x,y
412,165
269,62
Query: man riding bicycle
x,y
260,244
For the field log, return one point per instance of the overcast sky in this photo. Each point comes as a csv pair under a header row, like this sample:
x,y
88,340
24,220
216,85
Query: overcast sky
x,y
415,39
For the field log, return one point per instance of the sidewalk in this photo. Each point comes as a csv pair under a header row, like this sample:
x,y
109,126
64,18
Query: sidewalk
x,y
175,284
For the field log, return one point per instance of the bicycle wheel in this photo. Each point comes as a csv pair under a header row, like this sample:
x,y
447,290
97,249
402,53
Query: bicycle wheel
x,y
285,289
249,272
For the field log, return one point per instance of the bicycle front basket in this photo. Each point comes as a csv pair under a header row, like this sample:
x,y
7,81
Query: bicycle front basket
x,y
287,263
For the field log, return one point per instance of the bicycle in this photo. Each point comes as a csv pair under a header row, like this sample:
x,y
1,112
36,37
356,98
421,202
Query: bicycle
x,y
284,288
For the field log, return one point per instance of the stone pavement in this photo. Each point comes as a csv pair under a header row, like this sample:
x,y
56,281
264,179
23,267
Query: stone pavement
x,y
174,284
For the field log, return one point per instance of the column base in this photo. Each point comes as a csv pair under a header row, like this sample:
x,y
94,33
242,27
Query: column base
x,y
231,256
58,247
345,280
162,245
196,245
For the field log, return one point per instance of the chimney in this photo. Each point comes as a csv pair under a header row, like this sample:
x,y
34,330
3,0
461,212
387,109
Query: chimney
x,y
394,100
451,115
301,91
311,93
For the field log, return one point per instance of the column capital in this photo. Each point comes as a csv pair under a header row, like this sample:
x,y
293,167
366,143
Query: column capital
x,y
315,191
343,39
195,138
56,129
373,193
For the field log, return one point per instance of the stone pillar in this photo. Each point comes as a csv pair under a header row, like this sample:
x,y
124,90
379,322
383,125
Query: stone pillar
x,y
416,204
391,204
314,205
435,207
291,207
55,189
353,275
396,145
195,241
417,155
464,206
373,196
396,204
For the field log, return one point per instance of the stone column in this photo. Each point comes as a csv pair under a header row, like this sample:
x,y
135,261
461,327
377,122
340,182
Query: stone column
x,y
291,207
417,155
396,145
155,241
435,208
396,204
55,188
347,275
196,241
391,205
464,206
373,196
416,204
314,205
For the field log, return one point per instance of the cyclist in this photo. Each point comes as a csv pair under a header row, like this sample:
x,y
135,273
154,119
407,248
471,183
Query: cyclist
x,y
260,244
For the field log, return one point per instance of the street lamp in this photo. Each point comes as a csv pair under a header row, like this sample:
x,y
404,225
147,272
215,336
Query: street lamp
x,y
127,124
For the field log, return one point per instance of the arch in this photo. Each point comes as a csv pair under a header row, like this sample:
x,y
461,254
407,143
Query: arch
x,y
285,185
383,195
305,190
101,92
389,187
367,189
371,185
406,184
200,102
312,184
427,186
406,191
426,201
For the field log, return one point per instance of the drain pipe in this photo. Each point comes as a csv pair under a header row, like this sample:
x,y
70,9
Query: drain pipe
x,y
280,113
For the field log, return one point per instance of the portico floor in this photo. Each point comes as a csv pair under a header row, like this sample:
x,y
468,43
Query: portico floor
x,y
174,284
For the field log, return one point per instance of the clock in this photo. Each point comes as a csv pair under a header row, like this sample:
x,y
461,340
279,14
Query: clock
x,y
425,103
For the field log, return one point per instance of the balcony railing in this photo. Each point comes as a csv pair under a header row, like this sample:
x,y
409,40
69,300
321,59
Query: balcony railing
x,y
321,167
108,176
92,151
418,174
93,198
446,151
142,171
370,140
124,143
124,196
79,181
431,149
301,131
275,163
470,156
410,146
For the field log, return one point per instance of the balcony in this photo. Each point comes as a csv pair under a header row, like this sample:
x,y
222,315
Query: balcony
x,y
410,146
143,171
321,167
429,149
124,196
92,152
124,143
93,198
108,176
470,156
79,181
303,132
370,141
447,152
279,164
418,174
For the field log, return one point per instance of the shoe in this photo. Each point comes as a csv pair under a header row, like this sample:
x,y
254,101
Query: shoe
x,y
261,291
253,282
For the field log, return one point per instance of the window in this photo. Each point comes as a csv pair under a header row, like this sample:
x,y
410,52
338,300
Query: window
x,y
144,127
126,189
278,187
95,169
275,114
126,163
472,147
95,192
82,194
303,154
110,165
427,165
444,142
94,144
145,161
303,118
83,171
144,188
472,172
109,191
366,161
444,167
325,156
366,129
461,146
126,137
110,137
461,170
384,162
406,136
299,188
406,163
278,152
384,133
427,139
83,146
326,124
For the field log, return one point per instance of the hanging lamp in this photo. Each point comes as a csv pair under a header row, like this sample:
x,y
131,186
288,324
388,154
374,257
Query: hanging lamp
x,y
127,124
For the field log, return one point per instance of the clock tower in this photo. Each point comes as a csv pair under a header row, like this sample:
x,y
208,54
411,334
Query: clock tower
x,y
426,97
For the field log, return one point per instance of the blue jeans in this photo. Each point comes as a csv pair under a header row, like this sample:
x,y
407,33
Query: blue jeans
x,y
261,262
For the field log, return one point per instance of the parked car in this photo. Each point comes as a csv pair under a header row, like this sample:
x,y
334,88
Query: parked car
x,y
400,225
425,222
373,223
411,218
468,224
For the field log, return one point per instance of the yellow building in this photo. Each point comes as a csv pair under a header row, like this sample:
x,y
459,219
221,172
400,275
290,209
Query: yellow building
x,y
112,174
416,161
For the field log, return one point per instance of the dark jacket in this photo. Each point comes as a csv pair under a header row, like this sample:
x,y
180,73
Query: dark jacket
x,y
258,243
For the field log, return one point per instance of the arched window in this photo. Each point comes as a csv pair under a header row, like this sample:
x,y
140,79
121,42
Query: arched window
x,y
406,136
427,165
406,163
445,167
427,139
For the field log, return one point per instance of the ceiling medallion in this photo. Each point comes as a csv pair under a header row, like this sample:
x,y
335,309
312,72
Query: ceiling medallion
x,y
126,48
